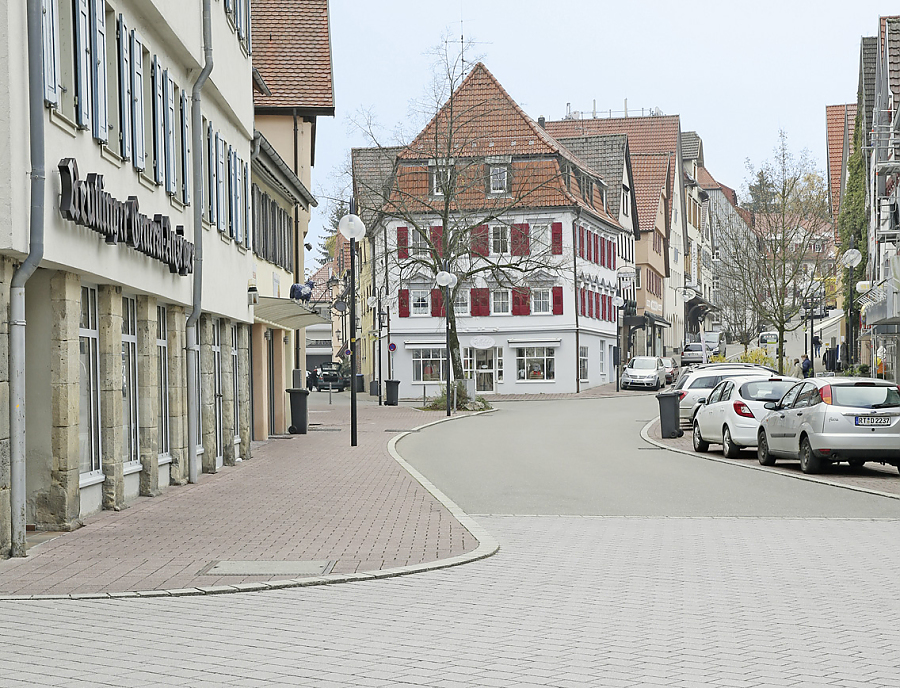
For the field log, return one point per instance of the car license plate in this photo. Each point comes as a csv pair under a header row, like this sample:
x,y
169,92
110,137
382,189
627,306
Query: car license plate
x,y
873,420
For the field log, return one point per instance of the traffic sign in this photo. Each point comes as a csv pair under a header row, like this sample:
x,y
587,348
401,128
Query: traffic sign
x,y
392,347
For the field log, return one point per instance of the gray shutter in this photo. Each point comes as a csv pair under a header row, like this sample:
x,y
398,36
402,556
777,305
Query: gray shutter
x,y
83,64
212,216
229,5
186,162
137,101
239,18
248,206
50,36
220,182
169,132
159,163
124,90
99,71
232,187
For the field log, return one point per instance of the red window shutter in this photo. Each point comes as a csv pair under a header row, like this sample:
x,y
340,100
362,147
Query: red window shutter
x,y
588,250
581,242
403,246
437,303
479,236
603,251
437,235
605,308
403,299
556,239
521,298
583,301
590,302
612,256
519,244
558,293
596,248
480,302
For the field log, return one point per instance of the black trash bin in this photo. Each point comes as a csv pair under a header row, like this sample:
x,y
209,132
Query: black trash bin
x,y
360,382
299,411
669,421
392,392
373,388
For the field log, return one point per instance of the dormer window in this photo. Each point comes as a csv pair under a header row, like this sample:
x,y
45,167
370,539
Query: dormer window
x,y
499,179
440,177
626,200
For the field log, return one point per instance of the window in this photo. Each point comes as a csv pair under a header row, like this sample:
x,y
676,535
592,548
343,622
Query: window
x,y
535,363
440,180
583,363
602,360
429,365
637,277
419,300
89,388
499,180
540,301
499,240
272,227
418,244
461,301
500,301
130,443
626,200
540,238
162,369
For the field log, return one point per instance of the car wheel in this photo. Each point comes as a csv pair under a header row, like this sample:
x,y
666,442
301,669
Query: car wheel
x,y
729,448
700,445
656,386
857,463
762,450
809,462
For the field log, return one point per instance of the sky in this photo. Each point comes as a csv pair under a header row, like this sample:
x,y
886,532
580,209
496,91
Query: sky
x,y
736,72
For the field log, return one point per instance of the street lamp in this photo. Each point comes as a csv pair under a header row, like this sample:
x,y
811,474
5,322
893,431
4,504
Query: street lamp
x,y
851,258
624,277
447,280
352,228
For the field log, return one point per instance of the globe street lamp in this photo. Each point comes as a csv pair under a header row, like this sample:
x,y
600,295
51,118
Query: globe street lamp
x,y
447,281
352,228
851,258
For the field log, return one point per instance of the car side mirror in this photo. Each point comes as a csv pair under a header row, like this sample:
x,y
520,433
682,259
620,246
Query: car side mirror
x,y
771,405
702,400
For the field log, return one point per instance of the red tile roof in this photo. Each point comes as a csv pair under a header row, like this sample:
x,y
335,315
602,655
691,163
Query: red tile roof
x,y
292,51
651,173
839,120
658,134
708,183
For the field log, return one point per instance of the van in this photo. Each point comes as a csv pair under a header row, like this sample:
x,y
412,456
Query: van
x,y
767,338
715,341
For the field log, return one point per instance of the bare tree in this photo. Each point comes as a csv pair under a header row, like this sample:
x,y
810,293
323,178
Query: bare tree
x,y
784,257
460,188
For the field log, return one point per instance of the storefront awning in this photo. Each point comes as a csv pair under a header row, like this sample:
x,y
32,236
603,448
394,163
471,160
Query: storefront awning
x,y
656,321
285,314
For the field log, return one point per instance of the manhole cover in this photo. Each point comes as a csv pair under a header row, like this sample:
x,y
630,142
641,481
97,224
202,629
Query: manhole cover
x,y
267,568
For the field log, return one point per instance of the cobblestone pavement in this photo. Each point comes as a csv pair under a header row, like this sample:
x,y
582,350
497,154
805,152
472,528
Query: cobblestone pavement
x,y
307,498
872,476
568,602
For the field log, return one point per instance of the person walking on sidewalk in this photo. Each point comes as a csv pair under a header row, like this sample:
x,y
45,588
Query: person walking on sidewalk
x,y
796,370
817,345
806,366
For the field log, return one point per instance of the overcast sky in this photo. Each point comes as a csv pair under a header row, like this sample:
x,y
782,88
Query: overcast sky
x,y
736,72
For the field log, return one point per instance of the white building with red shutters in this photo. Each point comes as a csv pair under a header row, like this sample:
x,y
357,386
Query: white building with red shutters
x,y
547,324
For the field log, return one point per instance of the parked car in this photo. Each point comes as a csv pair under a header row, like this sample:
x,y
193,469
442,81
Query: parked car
x,y
730,415
644,371
328,376
672,369
828,420
715,340
693,353
697,382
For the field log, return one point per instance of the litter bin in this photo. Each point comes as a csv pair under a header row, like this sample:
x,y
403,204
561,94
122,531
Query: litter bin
x,y
392,392
373,388
669,422
360,382
299,411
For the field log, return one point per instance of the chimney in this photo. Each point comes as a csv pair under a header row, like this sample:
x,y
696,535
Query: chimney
x,y
542,122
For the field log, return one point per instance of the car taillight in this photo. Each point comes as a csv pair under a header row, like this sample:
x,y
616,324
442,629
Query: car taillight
x,y
742,409
681,395
825,393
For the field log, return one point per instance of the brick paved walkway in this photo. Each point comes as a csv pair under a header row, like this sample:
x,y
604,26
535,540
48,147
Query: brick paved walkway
x,y
307,498
872,476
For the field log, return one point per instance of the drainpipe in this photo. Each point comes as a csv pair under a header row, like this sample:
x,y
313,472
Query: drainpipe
x,y
193,349
577,300
21,276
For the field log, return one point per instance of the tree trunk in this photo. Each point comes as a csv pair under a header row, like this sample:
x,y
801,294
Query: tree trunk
x,y
455,354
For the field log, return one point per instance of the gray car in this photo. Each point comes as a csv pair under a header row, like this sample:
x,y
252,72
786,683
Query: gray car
x,y
693,353
644,371
830,419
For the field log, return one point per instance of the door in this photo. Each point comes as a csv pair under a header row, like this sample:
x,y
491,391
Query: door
x,y
796,414
270,378
217,390
484,370
776,422
706,414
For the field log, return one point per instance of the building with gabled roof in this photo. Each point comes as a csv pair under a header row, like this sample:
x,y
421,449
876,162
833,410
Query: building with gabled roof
x,y
840,121
526,224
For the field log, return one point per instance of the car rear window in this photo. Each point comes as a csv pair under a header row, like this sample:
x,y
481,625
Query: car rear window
x,y
865,396
706,382
642,364
766,390
692,347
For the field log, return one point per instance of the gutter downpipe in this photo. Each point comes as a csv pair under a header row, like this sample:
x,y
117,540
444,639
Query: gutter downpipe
x,y
193,348
21,276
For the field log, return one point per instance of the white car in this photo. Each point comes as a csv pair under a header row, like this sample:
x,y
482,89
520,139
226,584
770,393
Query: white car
x,y
698,381
731,414
644,371
831,419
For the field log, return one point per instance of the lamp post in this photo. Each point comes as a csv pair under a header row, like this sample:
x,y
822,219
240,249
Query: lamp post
x,y
851,258
446,280
352,228
624,277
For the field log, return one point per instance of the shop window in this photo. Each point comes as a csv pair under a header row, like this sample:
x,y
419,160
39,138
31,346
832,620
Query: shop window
x,y
429,365
130,425
89,388
535,363
162,368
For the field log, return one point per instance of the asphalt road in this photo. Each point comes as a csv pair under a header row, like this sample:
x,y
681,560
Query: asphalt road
x,y
586,457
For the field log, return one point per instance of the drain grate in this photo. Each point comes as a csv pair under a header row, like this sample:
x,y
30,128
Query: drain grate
x,y
394,430
325,429
267,568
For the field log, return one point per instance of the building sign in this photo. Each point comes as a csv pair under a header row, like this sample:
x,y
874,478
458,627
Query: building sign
x,y
482,342
85,203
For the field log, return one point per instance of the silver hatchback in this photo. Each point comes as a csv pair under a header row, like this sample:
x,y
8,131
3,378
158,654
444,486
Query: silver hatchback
x,y
644,371
828,420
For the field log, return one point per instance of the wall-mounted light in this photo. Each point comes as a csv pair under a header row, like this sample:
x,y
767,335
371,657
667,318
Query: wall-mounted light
x,y
252,295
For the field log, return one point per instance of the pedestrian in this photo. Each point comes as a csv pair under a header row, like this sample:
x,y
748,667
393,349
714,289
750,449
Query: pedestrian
x,y
796,370
805,366
817,344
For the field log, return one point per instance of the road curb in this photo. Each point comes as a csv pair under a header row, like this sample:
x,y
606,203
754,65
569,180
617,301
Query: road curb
x,y
487,546
645,435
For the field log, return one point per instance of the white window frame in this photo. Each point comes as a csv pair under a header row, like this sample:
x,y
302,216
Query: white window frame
x,y
499,240
423,295
169,133
123,43
461,302
162,367
433,356
131,425
417,243
539,237
583,367
159,125
501,297
541,301
50,46
439,179
601,356
138,144
99,71
527,356
221,191
626,200
499,179
89,336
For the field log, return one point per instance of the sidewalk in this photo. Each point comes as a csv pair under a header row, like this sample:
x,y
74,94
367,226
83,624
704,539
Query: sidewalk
x,y
308,498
